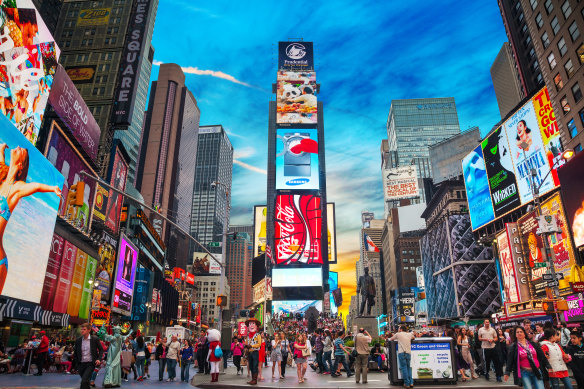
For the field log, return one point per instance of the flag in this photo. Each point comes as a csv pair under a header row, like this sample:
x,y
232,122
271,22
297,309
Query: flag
x,y
369,245
269,253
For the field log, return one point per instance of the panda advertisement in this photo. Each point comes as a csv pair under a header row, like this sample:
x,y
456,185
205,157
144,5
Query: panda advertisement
x,y
296,97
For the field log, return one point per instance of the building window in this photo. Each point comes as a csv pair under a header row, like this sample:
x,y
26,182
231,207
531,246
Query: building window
x,y
535,65
545,39
533,3
580,53
69,23
99,91
66,44
574,32
539,79
577,92
562,46
520,18
107,56
565,104
566,9
87,42
100,79
555,25
549,7
82,57
539,21
531,53
405,260
569,67
89,31
572,129
578,148
110,41
112,30
96,111
552,61
581,113
104,67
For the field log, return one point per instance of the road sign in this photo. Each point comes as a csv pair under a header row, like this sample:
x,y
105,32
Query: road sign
x,y
548,277
215,244
551,284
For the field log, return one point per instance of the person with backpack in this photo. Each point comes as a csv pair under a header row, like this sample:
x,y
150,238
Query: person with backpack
x,y
564,335
215,353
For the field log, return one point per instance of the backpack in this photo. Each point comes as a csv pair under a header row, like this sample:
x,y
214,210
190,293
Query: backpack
x,y
147,352
218,352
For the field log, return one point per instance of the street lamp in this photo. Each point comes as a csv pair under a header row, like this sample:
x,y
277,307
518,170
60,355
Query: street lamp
x,y
214,185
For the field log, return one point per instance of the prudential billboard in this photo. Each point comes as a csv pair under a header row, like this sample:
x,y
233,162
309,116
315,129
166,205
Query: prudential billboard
x,y
297,159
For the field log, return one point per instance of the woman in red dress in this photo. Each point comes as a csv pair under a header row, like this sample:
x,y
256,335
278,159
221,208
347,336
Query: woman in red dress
x,y
262,357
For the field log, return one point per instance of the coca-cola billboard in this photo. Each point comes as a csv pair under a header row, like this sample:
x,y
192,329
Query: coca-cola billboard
x,y
298,230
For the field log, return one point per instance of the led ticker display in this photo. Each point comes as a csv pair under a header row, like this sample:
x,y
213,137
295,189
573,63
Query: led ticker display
x,y
298,230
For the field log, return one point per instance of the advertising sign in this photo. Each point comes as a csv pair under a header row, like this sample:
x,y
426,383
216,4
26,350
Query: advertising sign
x,y
400,183
259,225
101,316
296,277
476,183
331,232
123,288
507,269
77,283
295,56
550,133
27,220
430,360
241,329
81,74
52,273
142,296
86,295
67,160
504,194
100,206
130,64
575,312
204,264
532,244
65,278
296,98
26,71
333,282
115,201
298,231
297,159
105,268
520,262
295,306
338,297
94,17
71,108
573,195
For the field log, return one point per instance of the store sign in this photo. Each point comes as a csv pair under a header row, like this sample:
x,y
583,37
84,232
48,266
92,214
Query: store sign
x,y
507,269
520,265
400,183
190,279
575,310
23,310
81,74
101,316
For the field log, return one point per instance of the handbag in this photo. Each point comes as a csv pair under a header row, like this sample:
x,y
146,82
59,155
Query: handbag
x,y
306,352
289,360
354,353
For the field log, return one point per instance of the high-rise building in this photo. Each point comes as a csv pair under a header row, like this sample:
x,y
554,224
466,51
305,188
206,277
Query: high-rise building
x,y
50,11
389,237
238,270
372,259
209,204
412,126
557,29
506,81
208,288
445,156
408,257
167,160
110,66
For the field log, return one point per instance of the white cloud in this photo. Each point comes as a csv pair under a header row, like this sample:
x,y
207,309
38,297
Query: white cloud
x,y
245,152
250,167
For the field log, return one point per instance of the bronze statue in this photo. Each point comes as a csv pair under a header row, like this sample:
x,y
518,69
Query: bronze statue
x,y
366,287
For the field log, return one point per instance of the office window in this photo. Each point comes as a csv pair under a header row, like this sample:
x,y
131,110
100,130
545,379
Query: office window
x,y
405,260
545,39
572,129
99,91
520,18
566,9
580,53
110,41
535,65
70,23
412,260
549,7
577,92
574,32
104,67
107,56
66,44
552,61
531,53
112,30
578,148
539,21
86,42
565,104
89,31
533,3
82,57
562,46
569,67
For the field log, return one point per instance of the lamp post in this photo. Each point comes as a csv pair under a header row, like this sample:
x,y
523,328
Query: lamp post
x,y
215,184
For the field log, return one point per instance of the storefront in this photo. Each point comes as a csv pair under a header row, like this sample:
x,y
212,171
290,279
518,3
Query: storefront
x,y
18,318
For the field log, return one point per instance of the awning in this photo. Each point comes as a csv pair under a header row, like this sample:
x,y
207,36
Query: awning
x,y
54,319
18,309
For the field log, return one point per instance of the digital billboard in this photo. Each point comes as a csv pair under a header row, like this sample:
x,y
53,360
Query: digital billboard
x,y
298,230
333,282
68,161
520,262
476,183
119,173
297,159
29,60
400,183
532,244
29,201
510,287
296,101
504,194
331,233
204,264
295,56
573,194
123,288
259,225
295,306
106,265
296,277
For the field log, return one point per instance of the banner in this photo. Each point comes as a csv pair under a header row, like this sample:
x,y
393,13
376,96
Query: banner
x,y
520,261
295,56
141,296
81,74
204,264
533,247
550,133
119,173
105,268
476,183
400,183
333,281
77,283
259,226
85,303
94,17
331,232
52,273
510,288
65,278
297,159
100,206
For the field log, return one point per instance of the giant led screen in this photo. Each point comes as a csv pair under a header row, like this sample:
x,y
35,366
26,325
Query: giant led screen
x,y
259,226
333,281
298,230
123,289
331,233
296,98
297,159
573,195
295,306
477,188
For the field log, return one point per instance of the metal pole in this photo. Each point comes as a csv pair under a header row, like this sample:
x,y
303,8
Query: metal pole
x,y
224,253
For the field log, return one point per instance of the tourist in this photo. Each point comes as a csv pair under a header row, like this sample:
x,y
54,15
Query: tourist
x,y
301,353
340,351
87,356
576,351
161,357
327,352
526,360
557,358
186,357
488,336
172,356
404,354
464,344
276,356
362,340
237,352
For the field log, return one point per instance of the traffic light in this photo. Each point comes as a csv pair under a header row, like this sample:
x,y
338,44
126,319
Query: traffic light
x,y
221,300
79,189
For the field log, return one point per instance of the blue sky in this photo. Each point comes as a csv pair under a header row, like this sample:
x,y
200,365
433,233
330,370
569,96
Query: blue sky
x,y
366,53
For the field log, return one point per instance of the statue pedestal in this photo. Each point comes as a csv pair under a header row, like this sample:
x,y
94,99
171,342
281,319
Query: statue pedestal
x,y
369,323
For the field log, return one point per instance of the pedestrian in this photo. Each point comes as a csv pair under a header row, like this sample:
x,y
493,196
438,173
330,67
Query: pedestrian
x,y
319,350
253,342
237,351
362,340
161,357
42,352
538,331
564,335
172,357
528,330
140,357
148,351
215,353
186,356
262,357
201,355
526,360
576,351
340,351
404,354
465,349
488,336
557,358
87,355
501,348
377,355
276,356
301,353
286,350
327,352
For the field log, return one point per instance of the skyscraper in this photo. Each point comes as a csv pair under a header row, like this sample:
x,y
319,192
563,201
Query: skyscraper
x,y
167,159
372,259
209,204
506,81
238,270
415,124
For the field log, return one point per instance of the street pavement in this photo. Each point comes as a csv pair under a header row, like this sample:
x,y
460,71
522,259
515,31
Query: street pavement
x,y
228,380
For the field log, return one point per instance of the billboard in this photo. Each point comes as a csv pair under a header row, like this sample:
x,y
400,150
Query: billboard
x,y
296,277
532,244
29,201
295,306
504,194
295,56
52,273
333,281
400,183
68,161
204,264
142,294
296,101
71,108
476,183
123,287
106,265
510,286
297,233
259,225
100,206
573,194
119,173
331,232
81,74
28,64
297,159
94,17
520,263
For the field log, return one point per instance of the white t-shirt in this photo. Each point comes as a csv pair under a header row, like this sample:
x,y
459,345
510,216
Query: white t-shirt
x,y
488,334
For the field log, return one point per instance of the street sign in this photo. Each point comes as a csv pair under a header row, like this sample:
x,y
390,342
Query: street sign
x,y
551,284
548,277
215,244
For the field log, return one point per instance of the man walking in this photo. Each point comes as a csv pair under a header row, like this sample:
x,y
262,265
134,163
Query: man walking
x,y
404,354
172,355
340,351
362,340
488,337
319,349
201,354
88,353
